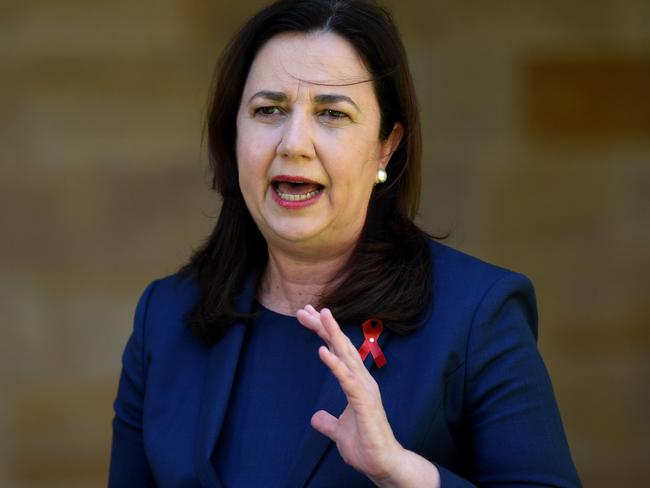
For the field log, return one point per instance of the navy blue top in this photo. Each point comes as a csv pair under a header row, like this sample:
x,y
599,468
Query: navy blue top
x,y
278,379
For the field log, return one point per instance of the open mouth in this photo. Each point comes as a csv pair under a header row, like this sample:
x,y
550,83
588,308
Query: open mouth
x,y
295,189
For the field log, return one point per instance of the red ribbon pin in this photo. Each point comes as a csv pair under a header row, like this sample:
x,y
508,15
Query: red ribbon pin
x,y
372,329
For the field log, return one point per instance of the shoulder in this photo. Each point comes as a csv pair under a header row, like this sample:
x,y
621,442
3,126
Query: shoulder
x,y
162,307
466,284
456,270
452,264
176,291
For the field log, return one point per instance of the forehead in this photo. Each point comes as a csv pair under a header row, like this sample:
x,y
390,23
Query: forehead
x,y
290,60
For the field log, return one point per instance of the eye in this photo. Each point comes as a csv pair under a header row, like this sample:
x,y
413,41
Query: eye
x,y
268,111
333,114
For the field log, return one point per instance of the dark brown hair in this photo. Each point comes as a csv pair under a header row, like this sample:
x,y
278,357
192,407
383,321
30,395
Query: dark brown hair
x,y
389,273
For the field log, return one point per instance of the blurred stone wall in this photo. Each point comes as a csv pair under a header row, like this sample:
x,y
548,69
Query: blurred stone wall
x,y
537,157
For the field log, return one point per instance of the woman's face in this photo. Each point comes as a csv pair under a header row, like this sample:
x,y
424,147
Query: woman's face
x,y
308,147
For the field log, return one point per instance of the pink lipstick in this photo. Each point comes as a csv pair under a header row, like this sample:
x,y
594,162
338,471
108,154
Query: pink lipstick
x,y
295,191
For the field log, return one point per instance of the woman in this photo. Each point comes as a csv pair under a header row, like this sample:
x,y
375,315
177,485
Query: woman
x,y
315,146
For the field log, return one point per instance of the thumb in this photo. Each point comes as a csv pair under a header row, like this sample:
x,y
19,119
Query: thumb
x,y
325,423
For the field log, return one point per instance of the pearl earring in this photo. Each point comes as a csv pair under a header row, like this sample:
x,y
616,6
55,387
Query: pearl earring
x,y
382,176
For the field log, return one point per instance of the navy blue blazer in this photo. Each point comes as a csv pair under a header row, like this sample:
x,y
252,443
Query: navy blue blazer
x,y
468,390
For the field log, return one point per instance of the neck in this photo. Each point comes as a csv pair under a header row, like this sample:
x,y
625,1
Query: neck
x,y
291,282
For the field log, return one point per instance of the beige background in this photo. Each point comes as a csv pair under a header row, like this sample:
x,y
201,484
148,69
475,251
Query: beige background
x,y
537,134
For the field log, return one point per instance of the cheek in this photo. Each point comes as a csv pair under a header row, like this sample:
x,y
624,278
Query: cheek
x,y
354,164
254,155
353,181
243,149
249,169
256,141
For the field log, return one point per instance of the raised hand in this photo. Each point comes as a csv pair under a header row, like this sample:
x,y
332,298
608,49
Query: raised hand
x,y
362,433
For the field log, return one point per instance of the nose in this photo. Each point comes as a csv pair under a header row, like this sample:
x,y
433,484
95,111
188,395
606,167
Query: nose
x,y
297,141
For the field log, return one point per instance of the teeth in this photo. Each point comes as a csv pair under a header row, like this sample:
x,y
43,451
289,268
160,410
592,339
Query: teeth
x,y
297,198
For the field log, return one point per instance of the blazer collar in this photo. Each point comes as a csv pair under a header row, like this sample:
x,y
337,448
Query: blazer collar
x,y
221,368
219,376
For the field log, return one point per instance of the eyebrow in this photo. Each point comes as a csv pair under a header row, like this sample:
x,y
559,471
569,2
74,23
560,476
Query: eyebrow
x,y
327,98
322,99
271,95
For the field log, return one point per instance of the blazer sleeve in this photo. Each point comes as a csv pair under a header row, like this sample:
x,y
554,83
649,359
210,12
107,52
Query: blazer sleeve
x,y
129,465
512,423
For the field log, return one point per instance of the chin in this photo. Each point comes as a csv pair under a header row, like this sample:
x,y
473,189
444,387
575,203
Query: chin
x,y
295,233
299,237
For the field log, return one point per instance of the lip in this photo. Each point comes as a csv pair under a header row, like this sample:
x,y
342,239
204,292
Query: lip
x,y
295,179
294,204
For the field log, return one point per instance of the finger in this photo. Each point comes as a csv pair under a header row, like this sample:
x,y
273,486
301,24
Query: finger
x,y
312,310
314,324
350,380
325,423
342,344
310,321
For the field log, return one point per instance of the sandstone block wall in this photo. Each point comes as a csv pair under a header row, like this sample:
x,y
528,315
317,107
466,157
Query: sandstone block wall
x,y
537,157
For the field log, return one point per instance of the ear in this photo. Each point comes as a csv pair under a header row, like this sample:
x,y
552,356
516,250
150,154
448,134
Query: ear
x,y
390,144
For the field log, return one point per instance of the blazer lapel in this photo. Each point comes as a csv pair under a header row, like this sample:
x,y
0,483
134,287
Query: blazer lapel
x,y
221,368
331,399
